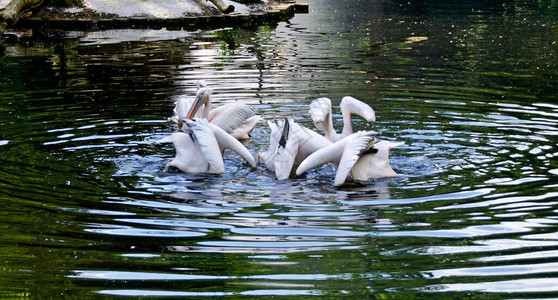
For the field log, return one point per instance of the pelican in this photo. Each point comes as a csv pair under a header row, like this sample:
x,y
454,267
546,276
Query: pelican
x,y
320,111
201,149
289,144
236,118
357,155
182,105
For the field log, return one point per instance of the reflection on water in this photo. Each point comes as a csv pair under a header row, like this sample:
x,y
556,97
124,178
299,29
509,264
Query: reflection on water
x,y
469,87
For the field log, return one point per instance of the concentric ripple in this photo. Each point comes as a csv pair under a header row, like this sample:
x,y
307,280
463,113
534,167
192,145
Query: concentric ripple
x,y
470,87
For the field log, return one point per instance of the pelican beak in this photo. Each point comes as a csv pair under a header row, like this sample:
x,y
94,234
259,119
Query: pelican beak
x,y
198,102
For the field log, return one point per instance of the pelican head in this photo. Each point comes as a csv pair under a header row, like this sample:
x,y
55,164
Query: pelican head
x,y
202,98
320,111
201,84
351,105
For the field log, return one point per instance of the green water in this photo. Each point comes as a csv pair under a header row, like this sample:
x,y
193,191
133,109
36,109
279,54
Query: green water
x,y
86,210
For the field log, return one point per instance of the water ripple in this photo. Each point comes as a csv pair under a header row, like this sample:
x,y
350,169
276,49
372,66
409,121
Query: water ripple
x,y
493,245
535,285
508,270
158,293
83,186
140,232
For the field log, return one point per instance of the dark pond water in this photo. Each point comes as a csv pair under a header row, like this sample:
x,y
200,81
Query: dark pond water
x,y
86,210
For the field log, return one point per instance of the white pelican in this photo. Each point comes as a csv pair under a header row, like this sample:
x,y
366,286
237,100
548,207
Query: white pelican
x,y
235,118
355,154
289,144
321,113
182,105
200,149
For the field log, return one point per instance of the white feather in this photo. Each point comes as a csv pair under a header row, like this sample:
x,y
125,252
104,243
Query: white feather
x,y
201,150
374,166
208,144
300,143
345,153
356,143
268,156
186,149
235,118
286,151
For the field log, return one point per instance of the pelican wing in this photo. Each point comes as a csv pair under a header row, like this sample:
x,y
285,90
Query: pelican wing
x,y
268,157
357,144
274,135
243,131
352,105
372,166
226,140
230,116
395,144
273,126
167,139
207,141
286,151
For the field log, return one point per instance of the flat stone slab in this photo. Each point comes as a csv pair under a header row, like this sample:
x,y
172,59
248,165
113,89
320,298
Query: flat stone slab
x,y
187,14
167,9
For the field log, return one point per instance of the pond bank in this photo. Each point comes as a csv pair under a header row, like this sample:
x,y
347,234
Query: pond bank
x,y
98,17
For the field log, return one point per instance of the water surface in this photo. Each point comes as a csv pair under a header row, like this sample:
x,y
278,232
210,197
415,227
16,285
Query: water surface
x,y
87,211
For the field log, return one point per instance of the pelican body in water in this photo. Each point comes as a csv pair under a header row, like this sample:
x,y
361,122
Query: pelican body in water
x,y
200,148
289,144
357,155
321,113
236,118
